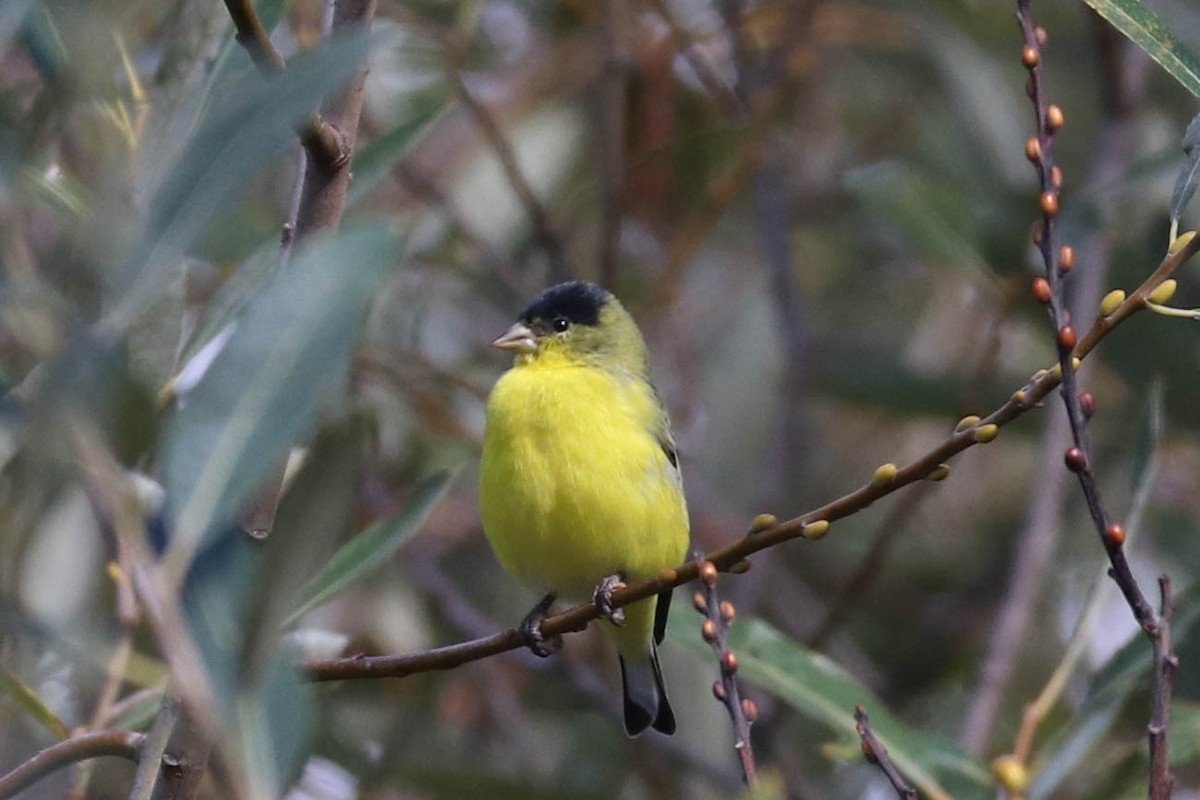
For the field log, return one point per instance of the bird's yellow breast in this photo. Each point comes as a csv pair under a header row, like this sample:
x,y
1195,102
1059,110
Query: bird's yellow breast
x,y
574,483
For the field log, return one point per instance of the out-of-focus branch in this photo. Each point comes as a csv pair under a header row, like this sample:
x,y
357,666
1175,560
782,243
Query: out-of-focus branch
x,y
852,590
613,85
877,754
327,180
770,533
125,744
324,142
253,37
544,232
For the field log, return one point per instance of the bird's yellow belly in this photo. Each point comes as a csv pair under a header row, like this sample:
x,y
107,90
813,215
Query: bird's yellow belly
x,y
574,486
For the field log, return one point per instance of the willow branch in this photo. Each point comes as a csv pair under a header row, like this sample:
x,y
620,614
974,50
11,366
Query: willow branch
x,y
1049,119
253,38
810,525
877,754
321,140
125,744
718,617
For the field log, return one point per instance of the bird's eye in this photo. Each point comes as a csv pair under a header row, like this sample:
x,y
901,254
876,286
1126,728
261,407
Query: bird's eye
x,y
560,324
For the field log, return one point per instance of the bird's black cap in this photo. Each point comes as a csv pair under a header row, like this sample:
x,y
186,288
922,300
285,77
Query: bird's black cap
x,y
577,301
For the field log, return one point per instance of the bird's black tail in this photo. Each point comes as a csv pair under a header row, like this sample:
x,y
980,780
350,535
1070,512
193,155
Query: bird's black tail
x,y
646,703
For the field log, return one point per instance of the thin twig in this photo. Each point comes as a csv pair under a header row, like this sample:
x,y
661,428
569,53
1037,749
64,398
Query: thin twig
x,y
1166,664
125,744
1039,536
853,589
811,524
253,37
323,141
719,615
613,85
685,44
1049,119
877,754
544,233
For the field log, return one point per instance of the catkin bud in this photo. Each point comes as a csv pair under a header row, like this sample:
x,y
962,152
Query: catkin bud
x,y
1163,292
1054,118
1111,301
1041,290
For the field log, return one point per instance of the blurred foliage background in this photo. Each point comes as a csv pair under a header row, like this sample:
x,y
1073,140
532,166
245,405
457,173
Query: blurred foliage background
x,y
819,213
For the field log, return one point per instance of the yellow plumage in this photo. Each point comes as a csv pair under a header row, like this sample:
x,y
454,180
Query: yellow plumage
x,y
578,479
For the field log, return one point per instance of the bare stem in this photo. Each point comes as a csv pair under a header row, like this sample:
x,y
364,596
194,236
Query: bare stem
x,y
125,744
719,616
877,754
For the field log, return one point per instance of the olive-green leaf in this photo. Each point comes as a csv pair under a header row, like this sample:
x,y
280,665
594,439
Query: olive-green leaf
x,y
286,355
251,128
27,699
1148,32
819,688
372,548
1185,184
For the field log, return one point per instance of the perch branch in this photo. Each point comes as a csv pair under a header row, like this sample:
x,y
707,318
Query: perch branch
x,y
811,524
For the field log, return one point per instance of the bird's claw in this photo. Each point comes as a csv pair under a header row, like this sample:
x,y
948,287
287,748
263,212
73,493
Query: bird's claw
x,y
602,599
531,630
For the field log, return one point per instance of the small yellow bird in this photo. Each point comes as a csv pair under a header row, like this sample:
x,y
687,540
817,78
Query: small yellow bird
x,y
580,485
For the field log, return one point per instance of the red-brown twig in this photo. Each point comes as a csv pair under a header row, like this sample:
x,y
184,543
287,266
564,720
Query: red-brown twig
x,y
126,744
718,616
877,754
1058,261
1126,72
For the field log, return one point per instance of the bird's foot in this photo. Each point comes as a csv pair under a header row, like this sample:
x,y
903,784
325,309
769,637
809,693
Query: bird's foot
x,y
531,630
602,599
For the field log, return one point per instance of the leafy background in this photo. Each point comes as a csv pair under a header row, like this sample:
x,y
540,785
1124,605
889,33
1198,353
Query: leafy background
x,y
827,282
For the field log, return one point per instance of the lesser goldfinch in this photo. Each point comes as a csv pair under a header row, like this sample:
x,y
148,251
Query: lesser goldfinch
x,y
580,477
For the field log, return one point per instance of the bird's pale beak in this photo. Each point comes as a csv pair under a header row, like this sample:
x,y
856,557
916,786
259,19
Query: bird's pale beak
x,y
519,339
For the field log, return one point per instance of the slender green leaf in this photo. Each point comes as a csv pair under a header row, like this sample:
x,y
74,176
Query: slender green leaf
x,y
1145,442
819,688
249,131
314,515
286,354
237,592
26,698
1185,184
1148,32
928,213
372,548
